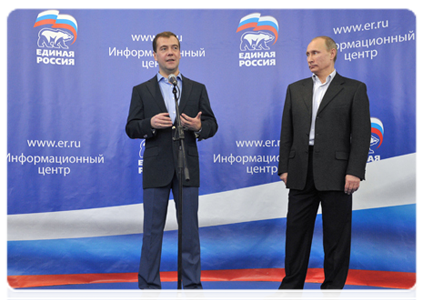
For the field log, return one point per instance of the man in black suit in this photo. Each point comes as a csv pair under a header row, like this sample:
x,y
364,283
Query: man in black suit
x,y
152,117
325,139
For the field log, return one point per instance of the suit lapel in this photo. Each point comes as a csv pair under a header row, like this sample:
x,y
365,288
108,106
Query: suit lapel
x,y
186,91
154,89
334,88
308,95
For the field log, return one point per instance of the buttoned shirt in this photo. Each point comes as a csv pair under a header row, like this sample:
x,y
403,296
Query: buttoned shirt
x,y
167,92
319,90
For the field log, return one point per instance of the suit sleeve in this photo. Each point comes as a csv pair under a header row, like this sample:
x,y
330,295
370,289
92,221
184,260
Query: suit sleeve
x,y
208,120
137,125
360,133
286,135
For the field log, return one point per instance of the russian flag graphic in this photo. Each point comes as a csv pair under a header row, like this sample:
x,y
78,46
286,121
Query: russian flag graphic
x,y
47,17
256,21
52,17
249,21
377,129
268,23
67,22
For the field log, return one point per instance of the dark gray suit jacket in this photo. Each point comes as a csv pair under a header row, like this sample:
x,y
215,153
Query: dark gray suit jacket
x,y
160,155
342,134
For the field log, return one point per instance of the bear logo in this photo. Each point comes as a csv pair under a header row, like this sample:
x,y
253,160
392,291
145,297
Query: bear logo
x,y
255,41
51,38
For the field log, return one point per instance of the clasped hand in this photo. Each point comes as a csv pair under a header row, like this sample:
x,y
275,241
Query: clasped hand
x,y
162,120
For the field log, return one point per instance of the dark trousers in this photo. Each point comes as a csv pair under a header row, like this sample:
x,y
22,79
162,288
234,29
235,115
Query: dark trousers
x,y
336,214
155,211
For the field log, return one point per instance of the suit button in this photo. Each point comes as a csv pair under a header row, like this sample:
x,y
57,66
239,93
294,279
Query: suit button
x,y
173,127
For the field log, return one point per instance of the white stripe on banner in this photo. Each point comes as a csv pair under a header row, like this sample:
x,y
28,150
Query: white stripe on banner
x,y
389,182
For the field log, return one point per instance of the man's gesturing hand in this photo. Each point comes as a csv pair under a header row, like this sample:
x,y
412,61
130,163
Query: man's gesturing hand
x,y
193,124
161,121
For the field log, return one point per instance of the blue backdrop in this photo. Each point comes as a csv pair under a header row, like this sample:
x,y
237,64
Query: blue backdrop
x,y
75,178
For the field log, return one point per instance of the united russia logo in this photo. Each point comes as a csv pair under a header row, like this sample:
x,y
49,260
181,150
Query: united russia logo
x,y
52,17
377,133
57,31
259,34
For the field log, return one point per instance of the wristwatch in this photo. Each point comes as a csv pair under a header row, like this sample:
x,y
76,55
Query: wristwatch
x,y
197,133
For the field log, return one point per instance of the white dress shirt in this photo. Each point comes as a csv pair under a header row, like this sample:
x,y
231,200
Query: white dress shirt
x,y
319,90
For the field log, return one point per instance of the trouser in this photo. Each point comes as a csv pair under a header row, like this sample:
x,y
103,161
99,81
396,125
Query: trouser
x,y
336,215
155,211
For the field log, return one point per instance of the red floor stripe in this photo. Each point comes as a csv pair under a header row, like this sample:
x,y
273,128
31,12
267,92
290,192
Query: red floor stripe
x,y
399,280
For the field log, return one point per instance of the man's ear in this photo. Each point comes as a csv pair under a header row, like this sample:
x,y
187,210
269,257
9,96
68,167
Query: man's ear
x,y
332,53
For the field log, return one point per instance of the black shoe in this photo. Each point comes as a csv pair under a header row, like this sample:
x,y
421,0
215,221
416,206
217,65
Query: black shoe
x,y
199,297
330,296
279,295
145,297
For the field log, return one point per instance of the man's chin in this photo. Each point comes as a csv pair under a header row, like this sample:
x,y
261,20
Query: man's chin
x,y
173,70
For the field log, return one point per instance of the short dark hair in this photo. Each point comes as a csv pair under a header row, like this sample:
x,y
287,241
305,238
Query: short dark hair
x,y
165,34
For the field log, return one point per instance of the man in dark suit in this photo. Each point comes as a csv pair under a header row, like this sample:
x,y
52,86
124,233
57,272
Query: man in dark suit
x,y
325,139
152,116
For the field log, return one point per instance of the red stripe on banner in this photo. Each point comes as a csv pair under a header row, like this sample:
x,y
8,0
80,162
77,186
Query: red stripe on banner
x,y
270,28
26,281
398,280
68,27
45,22
245,26
379,134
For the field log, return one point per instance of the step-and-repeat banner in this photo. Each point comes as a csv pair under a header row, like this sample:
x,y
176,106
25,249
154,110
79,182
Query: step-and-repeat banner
x,y
75,178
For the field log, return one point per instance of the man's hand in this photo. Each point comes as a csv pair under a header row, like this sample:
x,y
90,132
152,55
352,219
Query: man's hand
x,y
284,177
193,124
352,183
161,121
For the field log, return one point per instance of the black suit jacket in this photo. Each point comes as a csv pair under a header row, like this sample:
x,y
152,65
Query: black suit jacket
x,y
342,133
160,155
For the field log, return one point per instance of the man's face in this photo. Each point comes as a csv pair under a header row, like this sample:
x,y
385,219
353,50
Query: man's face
x,y
319,59
168,55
